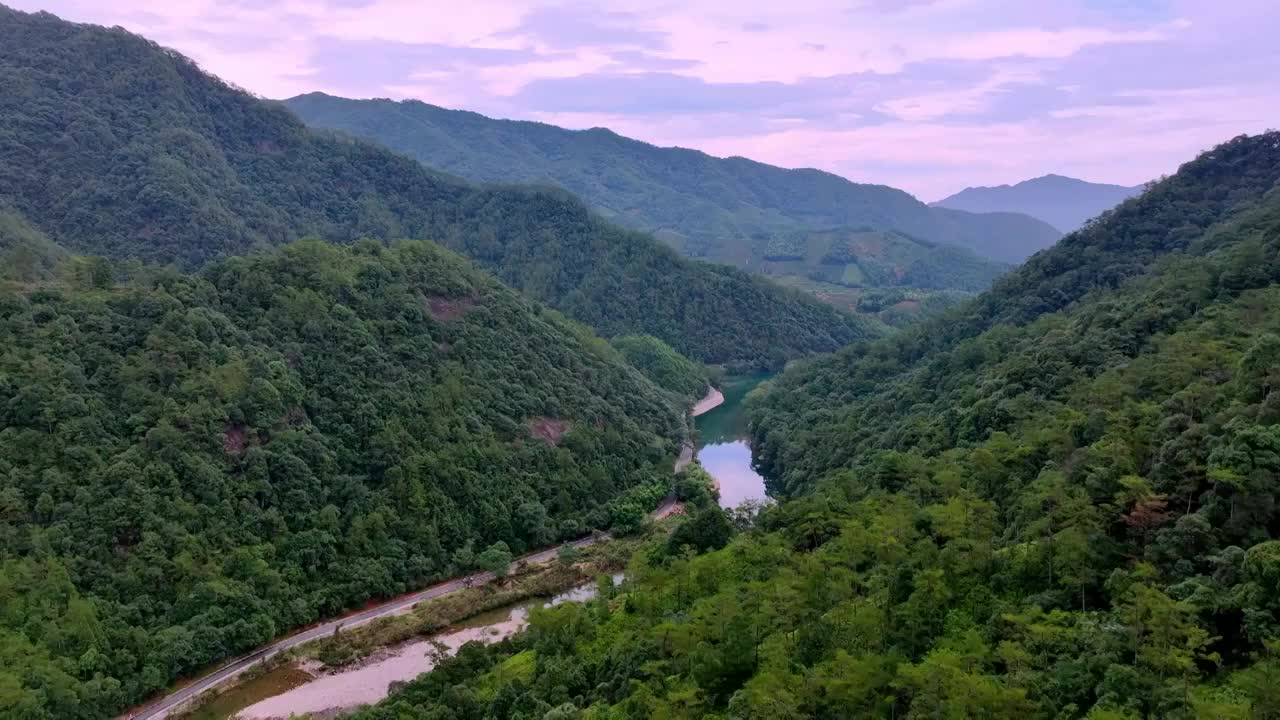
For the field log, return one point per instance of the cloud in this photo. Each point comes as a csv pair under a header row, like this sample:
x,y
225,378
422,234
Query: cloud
x,y
1041,43
573,26
653,93
637,61
891,6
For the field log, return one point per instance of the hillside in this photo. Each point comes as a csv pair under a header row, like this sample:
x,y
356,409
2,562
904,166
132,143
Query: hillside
x,y
705,206
1063,202
665,367
940,370
26,254
1065,509
111,145
191,465
871,259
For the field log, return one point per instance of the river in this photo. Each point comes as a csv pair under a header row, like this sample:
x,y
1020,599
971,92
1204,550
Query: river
x,y
722,444
297,688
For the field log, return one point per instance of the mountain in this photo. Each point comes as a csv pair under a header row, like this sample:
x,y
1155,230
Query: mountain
x,y
1058,501
706,207
111,145
1063,202
190,465
973,371
867,258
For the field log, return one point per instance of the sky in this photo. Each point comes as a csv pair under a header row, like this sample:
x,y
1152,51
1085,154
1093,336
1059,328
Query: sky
x,y
927,95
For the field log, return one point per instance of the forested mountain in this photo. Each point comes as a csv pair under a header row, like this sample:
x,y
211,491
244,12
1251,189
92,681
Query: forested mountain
x,y
1059,501
111,145
705,206
667,368
868,258
1063,202
191,465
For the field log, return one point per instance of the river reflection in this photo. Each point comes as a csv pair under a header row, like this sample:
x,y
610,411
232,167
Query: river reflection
x,y
723,450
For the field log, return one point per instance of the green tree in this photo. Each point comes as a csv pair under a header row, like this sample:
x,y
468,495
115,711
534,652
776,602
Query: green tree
x,y
495,559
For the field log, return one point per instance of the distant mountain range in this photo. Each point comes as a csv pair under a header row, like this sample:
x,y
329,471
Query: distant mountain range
x,y
1063,202
728,210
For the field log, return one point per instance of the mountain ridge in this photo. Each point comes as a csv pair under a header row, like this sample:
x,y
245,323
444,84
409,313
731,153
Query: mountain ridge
x,y
708,202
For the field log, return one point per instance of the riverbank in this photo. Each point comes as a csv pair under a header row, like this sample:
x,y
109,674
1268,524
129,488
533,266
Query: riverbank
x,y
333,694
192,693
324,665
440,613
713,399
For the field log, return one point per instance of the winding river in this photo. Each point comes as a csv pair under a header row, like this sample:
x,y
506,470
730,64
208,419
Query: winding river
x,y
722,444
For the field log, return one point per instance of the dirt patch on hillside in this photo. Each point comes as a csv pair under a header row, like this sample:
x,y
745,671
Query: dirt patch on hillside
x,y
549,430
234,440
446,309
907,305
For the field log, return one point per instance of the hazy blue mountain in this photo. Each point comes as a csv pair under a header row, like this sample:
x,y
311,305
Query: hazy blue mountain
x,y
1063,202
704,206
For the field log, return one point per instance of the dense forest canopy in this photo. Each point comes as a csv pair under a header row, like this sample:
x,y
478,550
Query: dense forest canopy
x,y
1065,509
111,145
667,368
709,207
191,465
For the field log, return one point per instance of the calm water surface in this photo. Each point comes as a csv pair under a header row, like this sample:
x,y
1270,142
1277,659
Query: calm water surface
x,y
723,449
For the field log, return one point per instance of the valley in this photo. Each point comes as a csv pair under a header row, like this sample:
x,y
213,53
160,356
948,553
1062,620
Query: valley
x,y
238,689
376,410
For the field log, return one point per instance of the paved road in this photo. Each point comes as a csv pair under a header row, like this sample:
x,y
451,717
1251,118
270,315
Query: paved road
x,y
161,708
